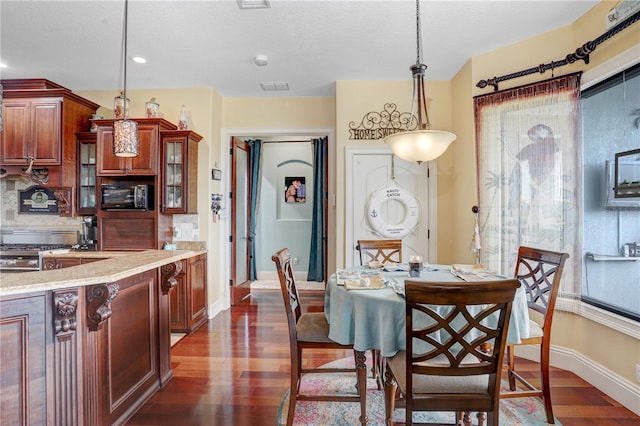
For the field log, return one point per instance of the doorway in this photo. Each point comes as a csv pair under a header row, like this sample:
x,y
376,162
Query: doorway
x,y
273,212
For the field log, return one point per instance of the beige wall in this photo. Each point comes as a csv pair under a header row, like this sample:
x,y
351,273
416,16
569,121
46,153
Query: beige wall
x,y
463,179
278,113
354,99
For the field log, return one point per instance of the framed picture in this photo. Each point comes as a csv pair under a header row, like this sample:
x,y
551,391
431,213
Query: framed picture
x,y
38,200
295,189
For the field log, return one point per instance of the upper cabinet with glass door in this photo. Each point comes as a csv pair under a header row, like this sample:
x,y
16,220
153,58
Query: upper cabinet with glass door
x,y
179,171
86,175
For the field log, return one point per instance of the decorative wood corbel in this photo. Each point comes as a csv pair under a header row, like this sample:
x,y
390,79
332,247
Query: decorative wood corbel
x,y
99,298
65,201
168,275
65,303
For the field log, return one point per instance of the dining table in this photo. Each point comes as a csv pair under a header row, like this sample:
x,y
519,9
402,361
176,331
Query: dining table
x,y
375,318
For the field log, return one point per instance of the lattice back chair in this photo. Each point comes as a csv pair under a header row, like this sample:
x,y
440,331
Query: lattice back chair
x,y
446,365
310,330
540,272
380,250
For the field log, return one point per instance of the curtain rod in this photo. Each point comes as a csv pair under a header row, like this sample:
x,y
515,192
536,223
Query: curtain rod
x,y
581,53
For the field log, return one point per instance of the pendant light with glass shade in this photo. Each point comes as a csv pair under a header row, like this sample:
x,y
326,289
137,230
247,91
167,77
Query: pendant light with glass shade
x,y
125,132
419,143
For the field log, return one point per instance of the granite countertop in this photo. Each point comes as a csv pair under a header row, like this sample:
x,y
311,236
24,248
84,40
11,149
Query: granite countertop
x,y
85,253
119,266
196,246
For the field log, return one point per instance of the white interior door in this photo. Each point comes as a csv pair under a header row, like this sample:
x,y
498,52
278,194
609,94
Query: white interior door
x,y
370,170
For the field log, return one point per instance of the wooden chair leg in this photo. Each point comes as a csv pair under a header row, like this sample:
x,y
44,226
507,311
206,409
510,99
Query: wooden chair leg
x,y
546,385
482,417
361,371
491,419
376,373
390,389
296,377
512,365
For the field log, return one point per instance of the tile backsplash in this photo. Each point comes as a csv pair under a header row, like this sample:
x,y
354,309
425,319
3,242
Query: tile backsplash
x,y
185,227
9,212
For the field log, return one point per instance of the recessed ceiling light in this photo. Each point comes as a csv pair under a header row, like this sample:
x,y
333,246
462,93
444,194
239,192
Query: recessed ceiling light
x,y
253,4
274,86
139,60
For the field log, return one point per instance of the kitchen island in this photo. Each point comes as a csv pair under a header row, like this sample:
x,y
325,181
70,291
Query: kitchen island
x,y
89,344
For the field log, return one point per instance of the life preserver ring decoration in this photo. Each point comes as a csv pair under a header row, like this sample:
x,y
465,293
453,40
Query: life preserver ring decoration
x,y
408,223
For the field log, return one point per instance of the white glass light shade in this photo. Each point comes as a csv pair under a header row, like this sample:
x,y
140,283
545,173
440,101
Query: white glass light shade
x,y
125,138
419,145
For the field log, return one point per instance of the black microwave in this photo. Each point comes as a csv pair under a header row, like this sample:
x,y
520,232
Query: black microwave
x,y
133,197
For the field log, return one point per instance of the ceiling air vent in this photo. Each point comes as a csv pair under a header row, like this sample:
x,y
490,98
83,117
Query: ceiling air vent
x,y
270,87
253,4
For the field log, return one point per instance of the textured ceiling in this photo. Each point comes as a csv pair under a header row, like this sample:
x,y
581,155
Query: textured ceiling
x,y
310,44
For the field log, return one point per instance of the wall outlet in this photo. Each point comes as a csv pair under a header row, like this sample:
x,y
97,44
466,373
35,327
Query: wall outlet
x,y
638,373
295,260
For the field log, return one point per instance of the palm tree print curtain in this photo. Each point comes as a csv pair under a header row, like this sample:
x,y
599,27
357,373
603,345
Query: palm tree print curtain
x,y
529,185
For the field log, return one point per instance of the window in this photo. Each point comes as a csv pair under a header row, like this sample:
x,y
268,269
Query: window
x,y
610,125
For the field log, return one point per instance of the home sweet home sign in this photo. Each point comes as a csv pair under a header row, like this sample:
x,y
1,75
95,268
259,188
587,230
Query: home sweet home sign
x,y
378,125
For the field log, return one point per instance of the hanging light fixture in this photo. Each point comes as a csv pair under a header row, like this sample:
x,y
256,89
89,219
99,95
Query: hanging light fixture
x,y
419,143
125,132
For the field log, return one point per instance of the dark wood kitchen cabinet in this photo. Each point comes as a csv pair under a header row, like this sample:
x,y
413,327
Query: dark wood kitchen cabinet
x,y
146,163
31,130
188,299
133,230
50,263
87,354
23,359
39,120
179,175
86,185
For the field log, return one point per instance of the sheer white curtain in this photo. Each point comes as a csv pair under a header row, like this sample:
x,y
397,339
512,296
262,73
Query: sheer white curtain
x,y
529,168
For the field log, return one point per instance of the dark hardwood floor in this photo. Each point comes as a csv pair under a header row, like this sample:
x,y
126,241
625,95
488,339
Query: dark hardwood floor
x,y
235,369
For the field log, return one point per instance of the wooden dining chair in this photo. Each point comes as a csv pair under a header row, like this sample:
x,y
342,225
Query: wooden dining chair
x,y
539,271
383,251
446,365
310,330
380,250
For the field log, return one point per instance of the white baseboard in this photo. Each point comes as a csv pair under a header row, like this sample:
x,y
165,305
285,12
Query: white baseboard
x,y
603,379
215,309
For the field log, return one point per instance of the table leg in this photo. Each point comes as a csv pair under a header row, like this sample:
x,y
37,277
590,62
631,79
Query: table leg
x,y
361,369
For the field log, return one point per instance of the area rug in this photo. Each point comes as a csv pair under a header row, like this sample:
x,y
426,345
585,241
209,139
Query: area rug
x,y
521,411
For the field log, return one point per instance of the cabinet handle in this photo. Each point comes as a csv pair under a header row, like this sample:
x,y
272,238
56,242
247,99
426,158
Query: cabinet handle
x,y
30,160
